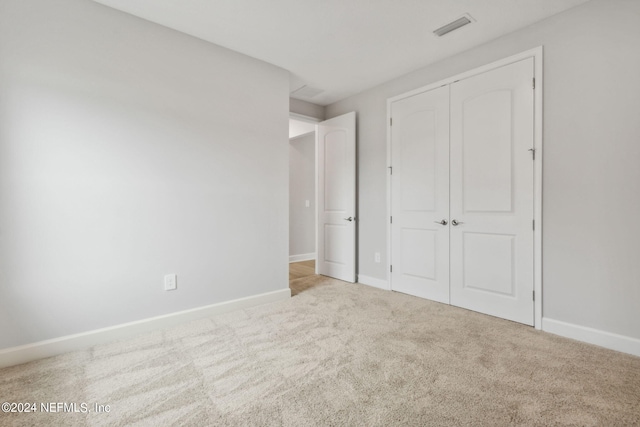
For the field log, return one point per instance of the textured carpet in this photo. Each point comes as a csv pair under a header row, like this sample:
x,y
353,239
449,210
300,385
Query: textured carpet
x,y
336,354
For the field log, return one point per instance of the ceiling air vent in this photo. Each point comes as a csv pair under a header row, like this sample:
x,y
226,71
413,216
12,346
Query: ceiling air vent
x,y
306,92
458,23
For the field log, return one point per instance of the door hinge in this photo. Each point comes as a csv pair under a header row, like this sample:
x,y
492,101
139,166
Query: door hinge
x,y
390,121
390,170
391,219
533,153
534,83
391,268
534,295
533,224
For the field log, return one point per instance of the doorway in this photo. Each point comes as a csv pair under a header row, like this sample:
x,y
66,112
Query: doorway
x,y
302,188
322,194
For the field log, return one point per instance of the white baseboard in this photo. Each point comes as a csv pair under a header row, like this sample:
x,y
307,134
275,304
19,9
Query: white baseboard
x,y
372,281
605,339
39,350
302,257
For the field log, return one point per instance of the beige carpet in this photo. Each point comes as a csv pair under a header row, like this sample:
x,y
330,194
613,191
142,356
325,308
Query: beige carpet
x,y
337,355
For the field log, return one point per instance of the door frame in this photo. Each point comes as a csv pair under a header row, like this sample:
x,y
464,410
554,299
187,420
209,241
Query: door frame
x,y
315,121
536,54
303,118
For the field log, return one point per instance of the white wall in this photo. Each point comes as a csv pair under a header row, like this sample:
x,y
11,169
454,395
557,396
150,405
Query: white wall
x,y
128,151
299,127
591,199
302,219
306,108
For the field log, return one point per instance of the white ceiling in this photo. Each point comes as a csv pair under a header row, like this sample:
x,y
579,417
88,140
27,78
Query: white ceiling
x,y
343,46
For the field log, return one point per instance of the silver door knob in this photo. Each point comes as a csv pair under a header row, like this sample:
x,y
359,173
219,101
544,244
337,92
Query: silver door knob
x,y
443,222
349,219
454,222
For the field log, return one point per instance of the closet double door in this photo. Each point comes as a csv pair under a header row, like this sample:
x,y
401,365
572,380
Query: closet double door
x,y
462,193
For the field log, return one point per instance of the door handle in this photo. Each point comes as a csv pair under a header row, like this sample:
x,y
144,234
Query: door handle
x,y
455,222
349,219
443,222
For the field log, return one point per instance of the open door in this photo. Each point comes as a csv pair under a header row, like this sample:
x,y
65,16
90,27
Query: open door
x,y
336,197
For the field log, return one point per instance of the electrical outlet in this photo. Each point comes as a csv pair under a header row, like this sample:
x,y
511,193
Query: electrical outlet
x,y
377,256
170,282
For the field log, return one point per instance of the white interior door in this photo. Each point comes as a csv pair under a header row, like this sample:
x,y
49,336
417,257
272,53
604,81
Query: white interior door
x,y
492,116
420,195
336,193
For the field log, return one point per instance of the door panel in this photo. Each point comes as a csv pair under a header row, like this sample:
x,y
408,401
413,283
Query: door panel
x,y
416,151
420,195
492,274
335,153
492,192
418,245
336,192
486,152
334,251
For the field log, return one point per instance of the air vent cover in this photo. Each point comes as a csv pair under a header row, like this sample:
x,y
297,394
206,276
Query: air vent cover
x,y
458,23
307,92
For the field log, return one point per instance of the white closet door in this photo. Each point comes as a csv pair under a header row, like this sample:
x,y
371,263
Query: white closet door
x,y
492,192
420,195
